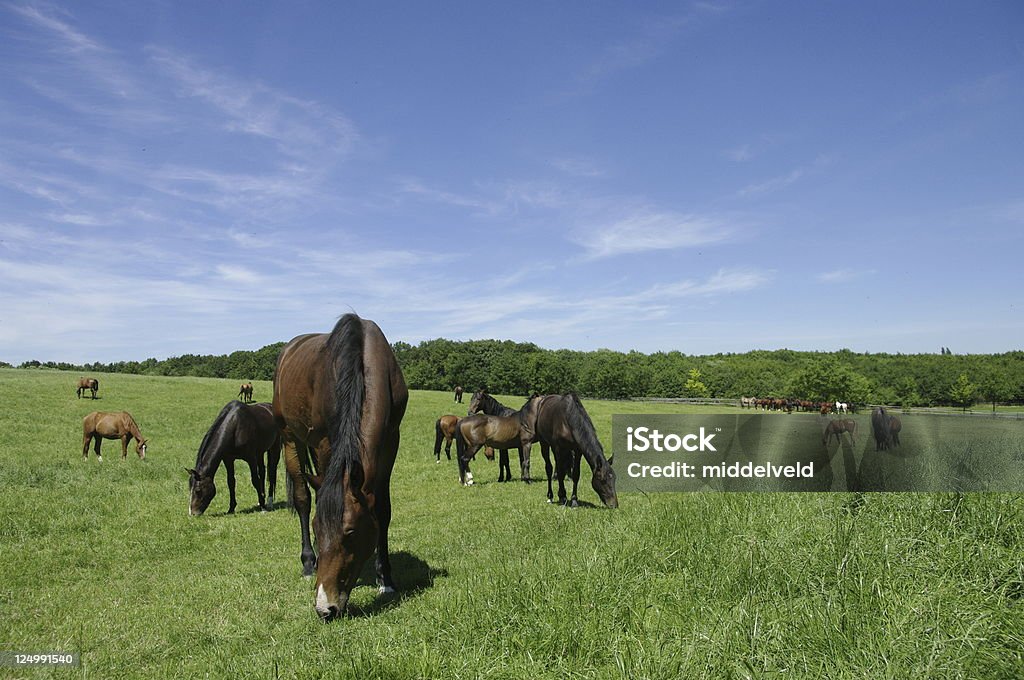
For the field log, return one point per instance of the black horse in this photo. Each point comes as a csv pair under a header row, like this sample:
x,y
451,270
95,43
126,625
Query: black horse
x,y
240,432
881,428
481,402
458,394
564,425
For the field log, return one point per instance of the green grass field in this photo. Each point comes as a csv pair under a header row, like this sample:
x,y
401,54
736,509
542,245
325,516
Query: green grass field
x,y
102,559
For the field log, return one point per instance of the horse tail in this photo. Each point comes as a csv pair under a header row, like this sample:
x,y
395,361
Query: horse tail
x,y
438,436
582,428
460,441
345,347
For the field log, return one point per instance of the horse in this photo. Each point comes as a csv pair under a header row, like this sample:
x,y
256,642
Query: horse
x,y
87,384
501,432
481,402
444,429
245,392
881,427
824,408
562,424
894,429
747,402
339,399
100,425
458,394
240,432
842,407
837,428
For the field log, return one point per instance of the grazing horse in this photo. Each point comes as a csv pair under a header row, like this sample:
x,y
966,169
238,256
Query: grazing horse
x,y
339,398
245,392
564,425
100,425
458,394
240,432
481,402
84,384
881,428
837,428
894,429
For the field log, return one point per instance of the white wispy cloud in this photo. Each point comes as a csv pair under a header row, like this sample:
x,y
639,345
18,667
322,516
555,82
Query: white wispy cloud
x,y
842,275
649,230
784,180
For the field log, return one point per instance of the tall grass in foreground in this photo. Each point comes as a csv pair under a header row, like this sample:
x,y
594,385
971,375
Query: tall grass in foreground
x,y
102,559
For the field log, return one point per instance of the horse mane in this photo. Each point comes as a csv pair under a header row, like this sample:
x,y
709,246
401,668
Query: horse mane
x,y
345,347
214,429
583,431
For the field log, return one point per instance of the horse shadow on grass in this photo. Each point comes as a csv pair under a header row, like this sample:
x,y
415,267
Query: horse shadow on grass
x,y
411,574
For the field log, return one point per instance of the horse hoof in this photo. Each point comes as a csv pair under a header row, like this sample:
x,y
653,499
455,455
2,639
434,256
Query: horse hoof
x,y
438,460
385,590
550,501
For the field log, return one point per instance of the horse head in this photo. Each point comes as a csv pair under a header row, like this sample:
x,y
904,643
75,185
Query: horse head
x,y
603,482
476,402
201,492
140,448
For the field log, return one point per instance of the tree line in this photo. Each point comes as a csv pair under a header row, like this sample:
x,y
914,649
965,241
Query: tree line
x,y
507,367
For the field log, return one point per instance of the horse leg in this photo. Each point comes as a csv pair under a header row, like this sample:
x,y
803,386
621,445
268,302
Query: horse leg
x,y
229,468
273,456
561,469
573,502
503,465
86,440
546,454
96,447
383,509
299,496
258,476
524,460
124,446
447,449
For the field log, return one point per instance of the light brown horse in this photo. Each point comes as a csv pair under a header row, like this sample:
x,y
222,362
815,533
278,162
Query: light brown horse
x,y
339,398
245,392
836,428
99,425
84,384
515,431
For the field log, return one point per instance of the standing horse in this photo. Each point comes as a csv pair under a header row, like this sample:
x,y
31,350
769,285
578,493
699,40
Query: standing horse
x,y
481,402
895,425
245,392
501,432
100,425
842,407
458,394
837,428
339,398
240,432
564,425
881,427
444,429
84,384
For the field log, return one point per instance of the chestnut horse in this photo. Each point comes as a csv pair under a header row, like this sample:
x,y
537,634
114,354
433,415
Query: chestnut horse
x,y
501,432
563,424
444,429
87,384
245,392
240,432
481,402
339,398
836,428
100,425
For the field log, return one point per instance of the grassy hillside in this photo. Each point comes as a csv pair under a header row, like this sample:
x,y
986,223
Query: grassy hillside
x,y
102,559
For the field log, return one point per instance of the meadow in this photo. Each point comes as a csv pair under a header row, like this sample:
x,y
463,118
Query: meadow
x,y
102,559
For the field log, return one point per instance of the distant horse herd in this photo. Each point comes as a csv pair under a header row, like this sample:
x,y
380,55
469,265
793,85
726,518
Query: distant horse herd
x,y
791,405
338,402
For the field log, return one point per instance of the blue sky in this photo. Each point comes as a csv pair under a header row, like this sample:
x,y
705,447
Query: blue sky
x,y
705,176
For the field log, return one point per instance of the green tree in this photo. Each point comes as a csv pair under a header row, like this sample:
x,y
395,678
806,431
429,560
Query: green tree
x,y
962,391
994,387
694,386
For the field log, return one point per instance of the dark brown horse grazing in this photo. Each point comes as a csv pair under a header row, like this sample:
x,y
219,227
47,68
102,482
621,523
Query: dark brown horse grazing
x,y
84,384
99,425
894,429
837,428
458,394
881,427
339,398
245,392
564,425
240,432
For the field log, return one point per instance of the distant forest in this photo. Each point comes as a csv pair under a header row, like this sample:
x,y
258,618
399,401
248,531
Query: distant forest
x,y
506,367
